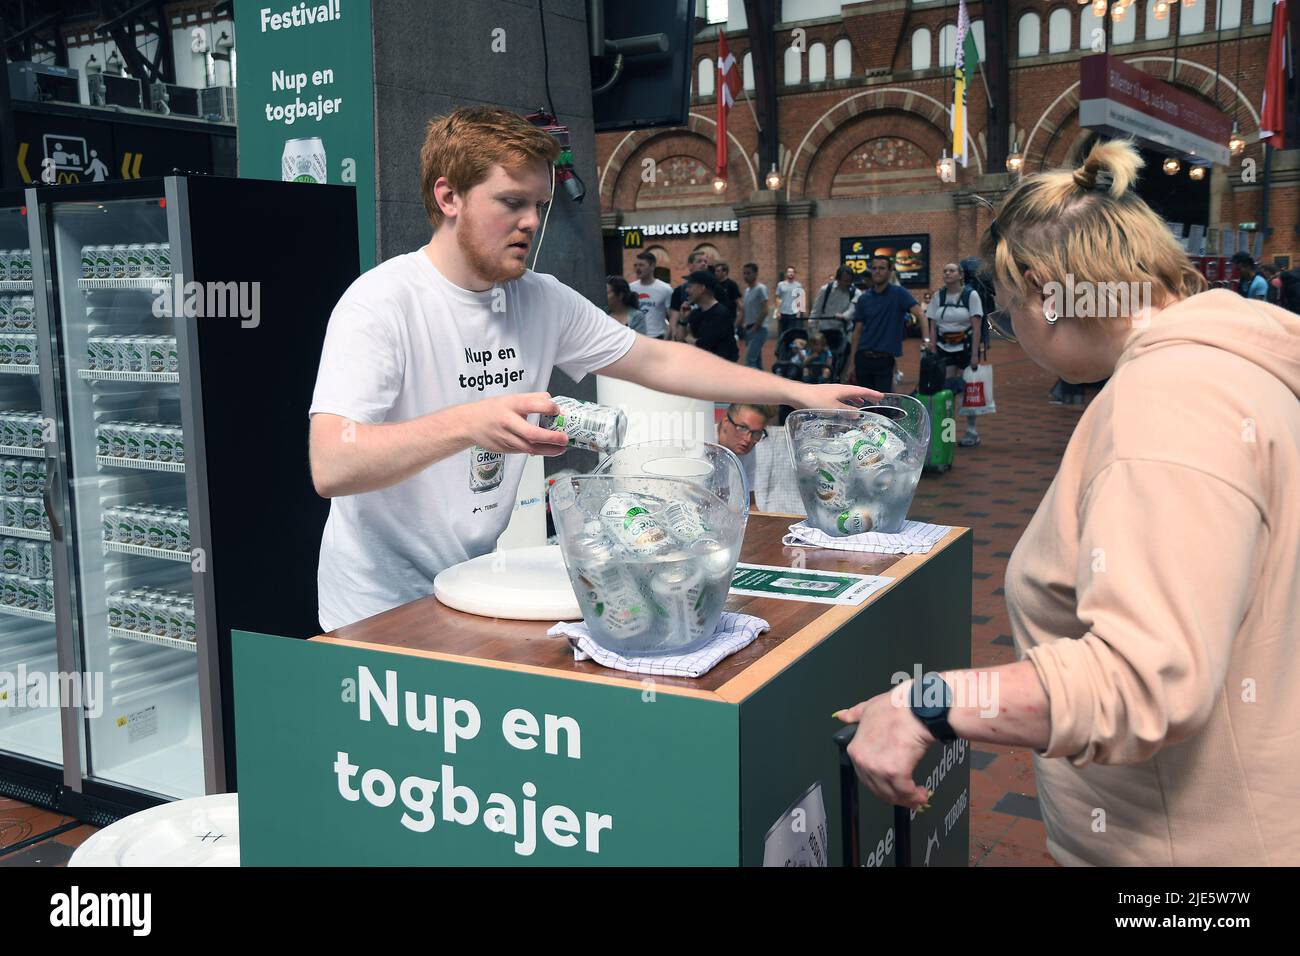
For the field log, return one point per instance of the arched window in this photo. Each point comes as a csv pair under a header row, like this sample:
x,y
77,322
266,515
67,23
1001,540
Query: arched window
x,y
948,45
1031,35
1125,31
1088,22
817,63
842,58
1191,19
793,66
747,71
1058,30
1229,14
1263,12
704,83
1156,29
977,28
921,49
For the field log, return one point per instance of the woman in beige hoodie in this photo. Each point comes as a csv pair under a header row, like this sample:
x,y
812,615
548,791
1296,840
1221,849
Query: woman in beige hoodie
x,y
1155,595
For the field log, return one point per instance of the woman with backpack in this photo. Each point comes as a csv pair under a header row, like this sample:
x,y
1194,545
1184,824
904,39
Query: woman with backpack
x,y
954,321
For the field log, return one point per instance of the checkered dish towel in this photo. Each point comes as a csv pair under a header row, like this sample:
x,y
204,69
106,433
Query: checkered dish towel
x,y
734,632
915,538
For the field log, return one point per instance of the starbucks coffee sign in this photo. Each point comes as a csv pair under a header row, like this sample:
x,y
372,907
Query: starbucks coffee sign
x,y
634,236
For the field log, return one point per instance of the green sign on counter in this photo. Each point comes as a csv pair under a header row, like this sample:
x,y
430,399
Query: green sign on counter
x,y
371,758
306,98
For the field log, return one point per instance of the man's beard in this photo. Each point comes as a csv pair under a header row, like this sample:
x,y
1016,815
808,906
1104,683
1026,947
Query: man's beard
x,y
487,263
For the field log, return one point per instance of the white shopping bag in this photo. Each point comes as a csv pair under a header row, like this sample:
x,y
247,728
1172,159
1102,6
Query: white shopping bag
x,y
977,396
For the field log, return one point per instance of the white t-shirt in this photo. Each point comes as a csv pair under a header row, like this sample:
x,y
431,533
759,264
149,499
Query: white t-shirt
x,y
791,296
403,342
654,305
951,316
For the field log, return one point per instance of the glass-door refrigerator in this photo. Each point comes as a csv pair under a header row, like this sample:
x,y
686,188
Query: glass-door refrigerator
x,y
31,733
179,323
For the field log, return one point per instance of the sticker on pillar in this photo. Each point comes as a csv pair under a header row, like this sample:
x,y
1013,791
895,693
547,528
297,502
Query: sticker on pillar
x,y
798,837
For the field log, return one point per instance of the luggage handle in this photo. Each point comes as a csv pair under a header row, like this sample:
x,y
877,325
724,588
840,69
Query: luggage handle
x,y
850,838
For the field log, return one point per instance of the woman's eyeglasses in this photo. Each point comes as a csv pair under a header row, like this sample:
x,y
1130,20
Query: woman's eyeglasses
x,y
745,431
1000,319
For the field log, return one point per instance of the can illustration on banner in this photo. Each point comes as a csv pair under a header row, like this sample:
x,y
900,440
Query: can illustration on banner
x,y
304,161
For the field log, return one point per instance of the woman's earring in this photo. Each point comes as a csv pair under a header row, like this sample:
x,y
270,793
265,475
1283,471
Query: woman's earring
x,y
1050,313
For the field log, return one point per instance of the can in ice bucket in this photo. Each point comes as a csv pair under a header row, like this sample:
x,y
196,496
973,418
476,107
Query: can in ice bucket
x,y
304,161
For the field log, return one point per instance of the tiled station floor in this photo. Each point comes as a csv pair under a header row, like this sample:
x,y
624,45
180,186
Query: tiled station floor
x,y
993,489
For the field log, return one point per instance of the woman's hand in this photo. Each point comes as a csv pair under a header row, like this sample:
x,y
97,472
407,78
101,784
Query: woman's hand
x,y
831,396
887,747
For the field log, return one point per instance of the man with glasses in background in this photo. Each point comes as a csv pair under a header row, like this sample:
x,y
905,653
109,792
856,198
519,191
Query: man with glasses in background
x,y
742,427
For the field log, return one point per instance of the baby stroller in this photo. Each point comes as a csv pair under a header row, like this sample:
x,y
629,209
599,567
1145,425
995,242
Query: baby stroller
x,y
785,347
838,340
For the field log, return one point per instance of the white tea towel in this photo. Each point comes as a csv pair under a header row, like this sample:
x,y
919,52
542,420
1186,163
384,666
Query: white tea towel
x,y
734,632
915,538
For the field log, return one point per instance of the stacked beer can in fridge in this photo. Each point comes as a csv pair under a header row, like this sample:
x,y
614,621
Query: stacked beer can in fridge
x,y
153,612
148,526
140,441
135,260
26,574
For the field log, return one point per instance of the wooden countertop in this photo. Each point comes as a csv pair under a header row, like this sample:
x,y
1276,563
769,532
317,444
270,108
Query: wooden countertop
x,y
428,628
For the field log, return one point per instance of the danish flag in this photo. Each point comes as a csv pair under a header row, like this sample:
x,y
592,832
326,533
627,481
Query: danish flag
x,y
728,87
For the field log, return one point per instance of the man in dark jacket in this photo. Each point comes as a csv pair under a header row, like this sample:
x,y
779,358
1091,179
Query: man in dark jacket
x,y
712,326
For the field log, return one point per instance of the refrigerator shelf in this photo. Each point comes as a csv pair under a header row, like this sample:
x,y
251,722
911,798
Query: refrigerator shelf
x,y
175,642
140,285
94,375
16,285
22,451
145,550
139,463
25,612
34,534
12,369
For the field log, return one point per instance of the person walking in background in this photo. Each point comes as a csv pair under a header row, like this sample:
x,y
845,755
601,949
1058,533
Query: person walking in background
x,y
711,325
679,305
789,300
728,291
1154,595
954,322
654,295
1269,272
879,318
752,321
1253,285
622,304
834,300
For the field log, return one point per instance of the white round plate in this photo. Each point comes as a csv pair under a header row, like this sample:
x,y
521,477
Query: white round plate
x,y
523,584
202,831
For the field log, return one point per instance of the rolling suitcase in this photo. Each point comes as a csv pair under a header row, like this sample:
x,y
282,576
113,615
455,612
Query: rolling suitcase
x,y
943,436
850,840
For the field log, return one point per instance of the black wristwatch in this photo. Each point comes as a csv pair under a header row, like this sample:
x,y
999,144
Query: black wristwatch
x,y
931,708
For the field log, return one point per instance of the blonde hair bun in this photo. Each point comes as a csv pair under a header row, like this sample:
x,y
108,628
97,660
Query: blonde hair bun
x,y
1112,165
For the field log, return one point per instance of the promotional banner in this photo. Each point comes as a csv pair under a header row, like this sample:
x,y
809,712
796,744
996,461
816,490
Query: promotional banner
x,y
909,254
306,99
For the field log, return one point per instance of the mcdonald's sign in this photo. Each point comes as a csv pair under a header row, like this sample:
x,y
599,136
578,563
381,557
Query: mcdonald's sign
x,y
632,238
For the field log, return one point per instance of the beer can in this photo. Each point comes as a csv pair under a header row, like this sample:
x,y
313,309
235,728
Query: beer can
x,y
133,351
183,533
21,309
164,259
102,447
149,261
110,524
24,349
13,511
139,527
684,521
833,474
178,443
35,430
5,255
149,443
127,606
11,475
31,559
106,354
9,589
117,255
303,161
486,469
117,439
173,356
104,262
187,612
157,351
6,350
26,260
124,528
606,589
31,477
11,555
87,262
679,600
630,525
156,521
166,444
26,593
47,560
171,531
115,609
134,256
176,619
33,513
6,309
594,427
134,439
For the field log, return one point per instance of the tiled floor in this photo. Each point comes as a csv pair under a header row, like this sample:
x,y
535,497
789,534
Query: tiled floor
x,y
993,489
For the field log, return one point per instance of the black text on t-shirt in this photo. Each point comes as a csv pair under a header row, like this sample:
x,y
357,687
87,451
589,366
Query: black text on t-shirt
x,y
480,381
